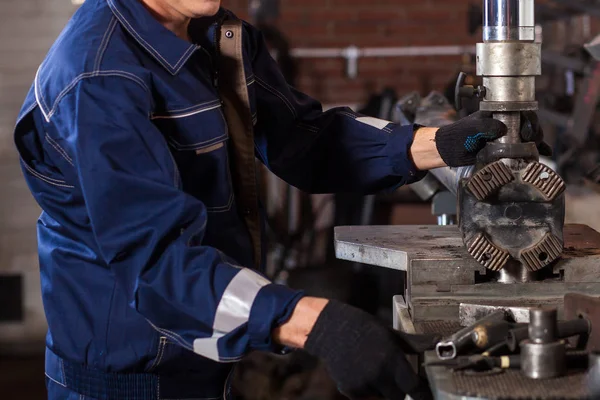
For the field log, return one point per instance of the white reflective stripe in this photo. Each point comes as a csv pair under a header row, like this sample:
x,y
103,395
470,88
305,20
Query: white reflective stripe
x,y
207,347
376,122
233,310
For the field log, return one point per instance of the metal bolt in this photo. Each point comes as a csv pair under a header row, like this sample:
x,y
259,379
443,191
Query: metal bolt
x,y
486,176
229,34
544,175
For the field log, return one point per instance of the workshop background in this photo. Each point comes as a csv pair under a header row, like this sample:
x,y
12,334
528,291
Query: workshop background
x,y
28,28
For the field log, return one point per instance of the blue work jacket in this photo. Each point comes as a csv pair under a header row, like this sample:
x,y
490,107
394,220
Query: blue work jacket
x,y
146,264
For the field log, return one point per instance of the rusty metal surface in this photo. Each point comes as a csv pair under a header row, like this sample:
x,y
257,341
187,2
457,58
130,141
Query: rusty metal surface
x,y
470,313
442,328
536,257
507,385
489,180
487,253
511,384
578,305
396,246
542,177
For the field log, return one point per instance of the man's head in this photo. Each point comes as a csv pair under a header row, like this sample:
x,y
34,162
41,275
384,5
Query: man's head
x,y
168,9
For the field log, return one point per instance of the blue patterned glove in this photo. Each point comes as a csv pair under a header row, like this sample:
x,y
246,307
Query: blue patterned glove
x,y
459,143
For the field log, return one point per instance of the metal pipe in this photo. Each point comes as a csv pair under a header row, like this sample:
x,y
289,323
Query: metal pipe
x,y
408,51
508,20
451,177
450,348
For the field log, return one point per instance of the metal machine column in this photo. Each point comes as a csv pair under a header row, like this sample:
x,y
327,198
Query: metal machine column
x,y
511,210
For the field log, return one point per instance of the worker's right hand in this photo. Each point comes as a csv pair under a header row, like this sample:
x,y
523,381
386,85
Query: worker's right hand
x,y
365,358
459,143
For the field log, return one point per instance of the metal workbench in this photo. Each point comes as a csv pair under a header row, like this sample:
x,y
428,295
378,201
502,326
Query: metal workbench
x,y
441,275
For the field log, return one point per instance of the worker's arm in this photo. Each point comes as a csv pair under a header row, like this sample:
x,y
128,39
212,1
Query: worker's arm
x,y
149,232
341,151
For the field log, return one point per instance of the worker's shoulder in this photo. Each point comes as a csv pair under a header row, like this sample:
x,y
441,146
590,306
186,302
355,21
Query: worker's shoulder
x,y
93,43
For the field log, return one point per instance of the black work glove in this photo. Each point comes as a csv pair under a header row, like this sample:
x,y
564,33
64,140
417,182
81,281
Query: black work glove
x,y
459,143
531,131
364,357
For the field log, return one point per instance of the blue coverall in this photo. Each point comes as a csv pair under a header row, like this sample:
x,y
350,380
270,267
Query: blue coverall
x,y
148,281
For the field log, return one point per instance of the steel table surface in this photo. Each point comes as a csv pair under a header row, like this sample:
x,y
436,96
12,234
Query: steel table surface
x,y
396,246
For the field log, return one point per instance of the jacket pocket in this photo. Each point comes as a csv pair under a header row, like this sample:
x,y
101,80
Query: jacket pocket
x,y
198,142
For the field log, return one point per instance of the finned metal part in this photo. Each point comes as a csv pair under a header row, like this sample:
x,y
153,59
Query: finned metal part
x,y
543,253
488,254
489,179
542,177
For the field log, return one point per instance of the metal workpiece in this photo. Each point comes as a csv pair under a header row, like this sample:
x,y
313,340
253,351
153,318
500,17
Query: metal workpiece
x,y
578,305
450,177
543,325
564,329
469,314
508,20
514,273
468,338
543,360
543,355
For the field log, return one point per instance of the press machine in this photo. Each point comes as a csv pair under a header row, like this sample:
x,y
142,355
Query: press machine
x,y
511,247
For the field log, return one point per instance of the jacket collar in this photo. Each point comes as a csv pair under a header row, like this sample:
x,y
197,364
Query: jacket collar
x,y
169,50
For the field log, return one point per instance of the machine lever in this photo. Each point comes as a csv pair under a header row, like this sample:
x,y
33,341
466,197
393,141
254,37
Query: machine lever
x,y
466,91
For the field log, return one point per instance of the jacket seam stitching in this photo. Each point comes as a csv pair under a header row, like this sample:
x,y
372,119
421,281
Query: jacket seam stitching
x,y
47,179
203,104
59,149
196,232
145,44
161,350
192,146
54,380
176,338
105,41
347,114
278,94
221,209
93,74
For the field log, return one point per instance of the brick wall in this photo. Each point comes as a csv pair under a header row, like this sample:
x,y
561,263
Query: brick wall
x,y
372,23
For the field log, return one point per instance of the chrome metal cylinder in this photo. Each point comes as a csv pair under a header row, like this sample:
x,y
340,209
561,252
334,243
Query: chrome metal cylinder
x,y
508,20
515,274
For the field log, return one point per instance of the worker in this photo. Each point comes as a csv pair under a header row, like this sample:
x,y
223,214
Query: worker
x,y
138,140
